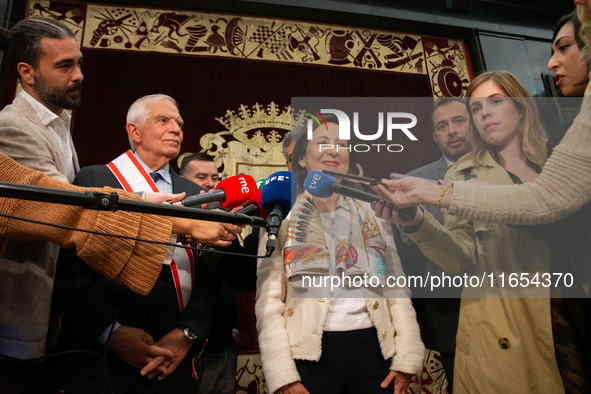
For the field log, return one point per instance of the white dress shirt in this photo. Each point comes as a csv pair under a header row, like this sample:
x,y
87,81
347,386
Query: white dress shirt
x,y
59,133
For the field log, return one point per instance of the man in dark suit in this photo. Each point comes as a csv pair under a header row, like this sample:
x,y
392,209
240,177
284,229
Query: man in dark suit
x,y
439,308
147,338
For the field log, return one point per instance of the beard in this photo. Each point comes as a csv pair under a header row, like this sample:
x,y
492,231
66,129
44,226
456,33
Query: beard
x,y
455,154
55,96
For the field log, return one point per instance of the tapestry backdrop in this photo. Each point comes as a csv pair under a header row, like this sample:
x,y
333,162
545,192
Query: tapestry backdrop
x,y
234,77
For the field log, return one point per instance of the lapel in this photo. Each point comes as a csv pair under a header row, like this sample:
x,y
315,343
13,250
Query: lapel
x,y
179,184
25,108
441,167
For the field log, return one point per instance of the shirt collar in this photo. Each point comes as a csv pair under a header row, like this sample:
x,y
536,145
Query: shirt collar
x,y
44,114
448,161
164,171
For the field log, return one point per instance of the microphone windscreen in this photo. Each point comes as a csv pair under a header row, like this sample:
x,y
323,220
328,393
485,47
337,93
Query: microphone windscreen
x,y
238,189
318,183
280,188
256,199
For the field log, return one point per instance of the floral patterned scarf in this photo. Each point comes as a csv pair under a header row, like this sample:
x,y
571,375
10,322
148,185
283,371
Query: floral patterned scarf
x,y
360,248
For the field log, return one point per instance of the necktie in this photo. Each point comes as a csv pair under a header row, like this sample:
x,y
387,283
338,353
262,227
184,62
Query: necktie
x,y
156,176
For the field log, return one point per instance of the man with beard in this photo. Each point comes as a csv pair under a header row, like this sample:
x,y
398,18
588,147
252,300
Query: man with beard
x,y
440,308
35,132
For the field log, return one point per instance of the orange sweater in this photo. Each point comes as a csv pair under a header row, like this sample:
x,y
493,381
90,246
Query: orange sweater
x,y
134,264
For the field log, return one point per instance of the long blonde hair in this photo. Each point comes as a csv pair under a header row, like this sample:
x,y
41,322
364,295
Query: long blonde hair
x,y
532,135
585,32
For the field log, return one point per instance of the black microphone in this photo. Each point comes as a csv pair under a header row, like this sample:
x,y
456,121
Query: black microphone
x,y
278,195
255,207
322,185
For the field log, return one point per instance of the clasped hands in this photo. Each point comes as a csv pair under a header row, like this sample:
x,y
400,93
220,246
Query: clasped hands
x,y
137,348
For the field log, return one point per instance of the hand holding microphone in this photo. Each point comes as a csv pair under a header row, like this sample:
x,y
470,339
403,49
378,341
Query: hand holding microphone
x,y
323,185
209,233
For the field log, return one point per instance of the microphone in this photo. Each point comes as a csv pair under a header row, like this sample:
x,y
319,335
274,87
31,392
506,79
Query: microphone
x,y
322,185
255,207
260,183
278,196
231,192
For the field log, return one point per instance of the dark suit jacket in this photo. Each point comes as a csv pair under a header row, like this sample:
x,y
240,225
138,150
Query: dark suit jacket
x,y
440,309
92,303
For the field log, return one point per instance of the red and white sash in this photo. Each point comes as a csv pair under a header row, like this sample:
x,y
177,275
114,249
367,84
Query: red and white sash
x,y
133,178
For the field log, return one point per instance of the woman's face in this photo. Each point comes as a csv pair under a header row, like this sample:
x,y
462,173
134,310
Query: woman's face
x,y
325,151
495,115
566,62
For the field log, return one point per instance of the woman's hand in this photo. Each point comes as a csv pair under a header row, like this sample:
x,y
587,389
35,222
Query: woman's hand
x,y
409,191
163,197
390,212
401,381
293,388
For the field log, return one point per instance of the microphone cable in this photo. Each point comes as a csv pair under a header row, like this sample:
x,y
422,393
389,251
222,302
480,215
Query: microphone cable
x,y
103,358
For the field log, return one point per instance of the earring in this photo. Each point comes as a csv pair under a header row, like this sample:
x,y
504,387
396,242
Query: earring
x,y
301,163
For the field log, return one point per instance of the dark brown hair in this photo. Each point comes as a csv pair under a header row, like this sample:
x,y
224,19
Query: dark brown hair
x,y
574,19
23,41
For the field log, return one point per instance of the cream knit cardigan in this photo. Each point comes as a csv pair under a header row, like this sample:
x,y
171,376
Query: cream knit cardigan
x,y
291,328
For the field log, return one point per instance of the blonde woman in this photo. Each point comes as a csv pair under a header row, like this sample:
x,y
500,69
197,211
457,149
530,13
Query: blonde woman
x,y
563,187
504,345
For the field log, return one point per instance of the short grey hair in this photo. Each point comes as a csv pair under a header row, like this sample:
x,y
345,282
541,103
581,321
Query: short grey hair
x,y
138,113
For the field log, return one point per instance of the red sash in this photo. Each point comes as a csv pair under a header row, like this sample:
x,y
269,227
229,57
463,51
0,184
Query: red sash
x,y
134,178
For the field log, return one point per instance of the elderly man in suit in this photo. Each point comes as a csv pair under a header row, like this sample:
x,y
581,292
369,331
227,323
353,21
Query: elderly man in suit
x,y
440,308
138,332
35,132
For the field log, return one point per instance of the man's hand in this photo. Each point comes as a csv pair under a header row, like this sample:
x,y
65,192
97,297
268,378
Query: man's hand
x,y
210,233
161,367
163,197
401,381
136,347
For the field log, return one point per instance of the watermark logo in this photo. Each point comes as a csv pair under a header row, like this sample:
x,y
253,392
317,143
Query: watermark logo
x,y
317,117
391,119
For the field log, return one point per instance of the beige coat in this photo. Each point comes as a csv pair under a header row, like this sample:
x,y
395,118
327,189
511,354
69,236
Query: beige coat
x,y
504,345
27,265
291,328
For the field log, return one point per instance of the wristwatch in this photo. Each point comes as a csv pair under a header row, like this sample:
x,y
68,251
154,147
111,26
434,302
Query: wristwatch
x,y
189,334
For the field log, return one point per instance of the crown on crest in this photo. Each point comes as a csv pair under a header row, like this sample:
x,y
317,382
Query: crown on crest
x,y
259,117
